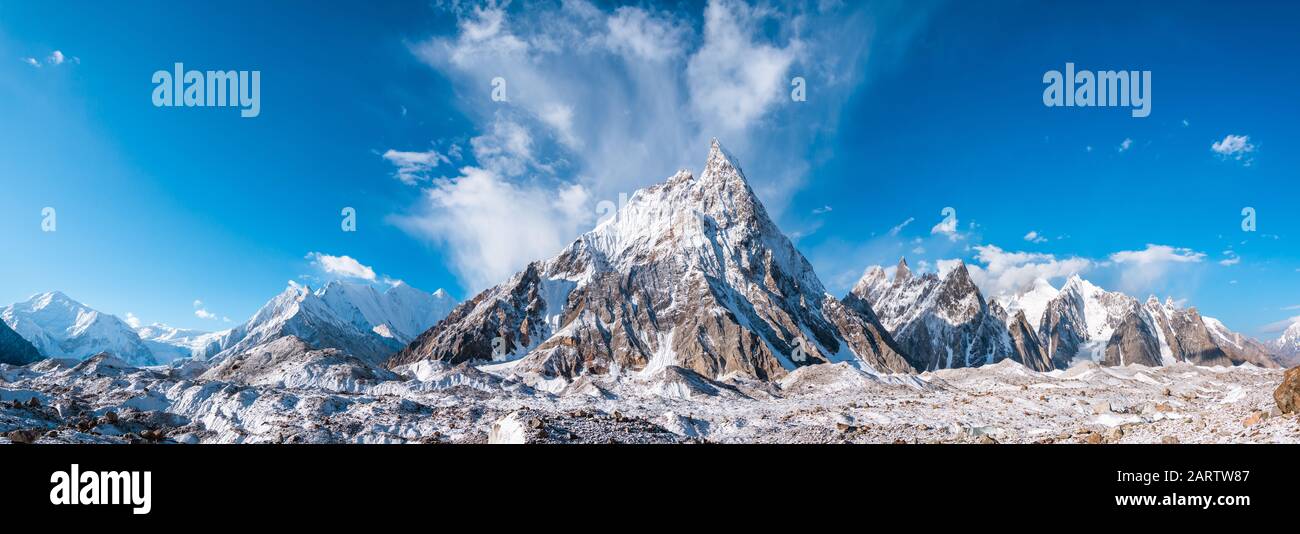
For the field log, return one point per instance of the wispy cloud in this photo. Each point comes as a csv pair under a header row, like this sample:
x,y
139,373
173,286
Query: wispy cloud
x,y
1230,258
574,71
1034,237
895,230
464,215
413,167
1279,326
55,59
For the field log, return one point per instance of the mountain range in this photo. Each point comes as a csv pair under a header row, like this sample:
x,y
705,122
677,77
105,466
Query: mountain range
x,y
692,274
690,278
354,318
943,321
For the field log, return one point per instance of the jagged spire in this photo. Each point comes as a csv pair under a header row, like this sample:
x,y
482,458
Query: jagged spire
x,y
903,272
721,164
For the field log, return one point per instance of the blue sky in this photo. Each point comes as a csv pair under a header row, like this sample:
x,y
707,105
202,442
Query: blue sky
x,y
911,107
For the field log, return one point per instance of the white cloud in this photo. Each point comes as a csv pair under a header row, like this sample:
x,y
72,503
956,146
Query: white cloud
x,y
823,209
1003,272
1156,254
1141,269
607,101
733,79
344,266
132,320
56,58
507,149
560,118
32,61
201,312
1125,145
414,166
468,215
1034,237
1236,147
637,33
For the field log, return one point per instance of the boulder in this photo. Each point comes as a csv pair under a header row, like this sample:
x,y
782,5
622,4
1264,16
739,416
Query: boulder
x,y
1287,394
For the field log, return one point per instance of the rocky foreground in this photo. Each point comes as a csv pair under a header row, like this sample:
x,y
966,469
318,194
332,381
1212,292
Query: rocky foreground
x,y
326,397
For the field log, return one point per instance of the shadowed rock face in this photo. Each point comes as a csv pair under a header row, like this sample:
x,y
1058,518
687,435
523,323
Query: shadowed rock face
x,y
1133,343
942,323
1186,335
14,349
1063,330
1026,344
691,272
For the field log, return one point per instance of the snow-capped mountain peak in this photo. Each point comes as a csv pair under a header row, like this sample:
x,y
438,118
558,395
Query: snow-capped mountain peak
x,y
355,318
1288,344
61,327
691,272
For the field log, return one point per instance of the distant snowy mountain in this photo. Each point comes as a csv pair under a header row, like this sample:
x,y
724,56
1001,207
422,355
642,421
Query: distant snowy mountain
x,y
354,318
1084,321
14,349
944,322
1080,320
168,343
691,277
1287,346
60,327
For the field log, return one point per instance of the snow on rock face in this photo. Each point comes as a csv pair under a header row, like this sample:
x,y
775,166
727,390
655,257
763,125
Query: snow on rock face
x,y
354,318
944,322
812,404
1288,344
289,363
508,430
60,327
1083,321
696,255
168,343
